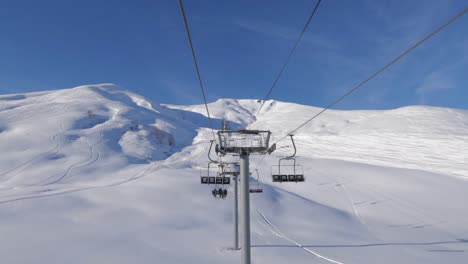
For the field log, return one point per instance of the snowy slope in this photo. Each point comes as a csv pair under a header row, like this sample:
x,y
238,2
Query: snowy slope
x,y
97,174
416,137
81,127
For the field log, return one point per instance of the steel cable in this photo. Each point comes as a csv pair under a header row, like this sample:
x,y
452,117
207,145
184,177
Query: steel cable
x,y
202,88
289,56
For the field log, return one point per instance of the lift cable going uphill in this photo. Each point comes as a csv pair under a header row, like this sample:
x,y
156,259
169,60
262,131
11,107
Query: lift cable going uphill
x,y
376,73
200,82
289,56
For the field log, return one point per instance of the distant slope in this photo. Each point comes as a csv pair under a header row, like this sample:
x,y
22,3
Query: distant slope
x,y
92,126
75,126
415,137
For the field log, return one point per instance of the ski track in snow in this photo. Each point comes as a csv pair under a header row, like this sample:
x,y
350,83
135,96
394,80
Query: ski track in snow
x,y
83,163
278,233
419,216
61,191
340,182
422,218
10,174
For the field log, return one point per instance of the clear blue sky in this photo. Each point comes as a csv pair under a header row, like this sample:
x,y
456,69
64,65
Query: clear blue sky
x,y
141,45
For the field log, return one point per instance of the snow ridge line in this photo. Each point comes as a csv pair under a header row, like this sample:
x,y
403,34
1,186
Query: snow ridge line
x,y
278,232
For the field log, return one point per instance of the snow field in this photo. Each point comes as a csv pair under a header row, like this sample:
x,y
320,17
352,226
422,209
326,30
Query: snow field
x,y
97,174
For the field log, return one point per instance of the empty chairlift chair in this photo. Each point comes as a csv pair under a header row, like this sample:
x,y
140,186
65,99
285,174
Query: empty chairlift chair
x,y
257,188
289,172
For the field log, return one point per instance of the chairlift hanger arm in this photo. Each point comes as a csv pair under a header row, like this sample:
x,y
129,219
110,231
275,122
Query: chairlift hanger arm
x,y
294,145
209,152
209,166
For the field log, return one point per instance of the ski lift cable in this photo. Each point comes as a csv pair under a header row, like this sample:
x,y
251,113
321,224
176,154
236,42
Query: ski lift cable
x,y
261,161
200,82
399,57
289,56
437,30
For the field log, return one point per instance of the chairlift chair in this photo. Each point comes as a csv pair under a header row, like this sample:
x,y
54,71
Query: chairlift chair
x,y
257,189
280,173
205,176
209,177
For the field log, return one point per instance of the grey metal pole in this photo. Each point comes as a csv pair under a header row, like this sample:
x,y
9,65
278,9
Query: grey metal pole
x,y
236,214
245,203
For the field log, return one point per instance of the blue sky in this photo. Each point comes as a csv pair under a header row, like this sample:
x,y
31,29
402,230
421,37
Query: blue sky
x,y
241,45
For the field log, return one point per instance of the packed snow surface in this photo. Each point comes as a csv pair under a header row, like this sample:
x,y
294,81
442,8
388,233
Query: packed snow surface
x,y
98,174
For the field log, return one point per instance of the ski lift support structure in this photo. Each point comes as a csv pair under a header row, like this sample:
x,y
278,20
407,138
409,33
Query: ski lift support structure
x,y
228,171
243,143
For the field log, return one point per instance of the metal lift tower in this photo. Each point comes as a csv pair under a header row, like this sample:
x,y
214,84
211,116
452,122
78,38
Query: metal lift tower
x,y
233,169
243,143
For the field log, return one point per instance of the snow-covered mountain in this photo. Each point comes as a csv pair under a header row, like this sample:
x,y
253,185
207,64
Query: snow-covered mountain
x,y
404,137
98,174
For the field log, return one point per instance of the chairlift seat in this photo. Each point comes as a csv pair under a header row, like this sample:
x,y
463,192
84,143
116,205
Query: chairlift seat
x,y
204,180
219,180
256,190
212,180
299,177
288,178
226,180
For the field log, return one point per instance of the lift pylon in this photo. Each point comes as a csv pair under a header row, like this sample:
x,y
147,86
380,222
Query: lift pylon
x,y
242,143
